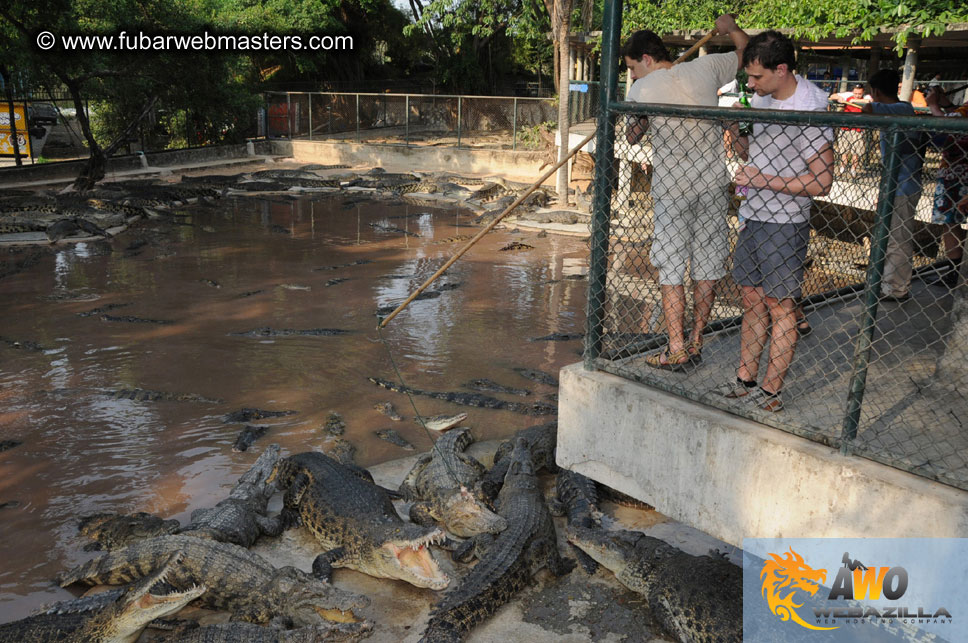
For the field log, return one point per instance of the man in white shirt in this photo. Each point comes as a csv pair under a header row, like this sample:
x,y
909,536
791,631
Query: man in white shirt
x,y
788,165
689,182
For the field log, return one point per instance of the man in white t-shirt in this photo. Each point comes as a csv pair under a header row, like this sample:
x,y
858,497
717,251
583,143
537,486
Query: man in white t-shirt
x,y
788,166
689,181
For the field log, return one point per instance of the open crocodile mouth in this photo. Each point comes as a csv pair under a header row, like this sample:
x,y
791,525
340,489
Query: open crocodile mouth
x,y
149,600
417,564
337,615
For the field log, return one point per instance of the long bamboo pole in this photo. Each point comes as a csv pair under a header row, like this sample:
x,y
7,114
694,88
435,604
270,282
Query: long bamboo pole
x,y
479,235
700,43
517,202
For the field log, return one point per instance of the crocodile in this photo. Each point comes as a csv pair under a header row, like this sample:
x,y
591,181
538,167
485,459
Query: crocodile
x,y
22,344
510,561
542,442
391,436
283,174
248,435
113,531
389,228
576,497
317,166
102,309
247,415
336,281
9,444
335,425
427,294
221,180
342,451
311,183
537,376
555,216
695,598
386,408
441,422
445,486
260,186
483,384
558,337
358,262
250,633
458,238
210,282
71,225
241,518
239,581
472,399
355,522
119,618
135,320
489,192
266,331
145,395
515,245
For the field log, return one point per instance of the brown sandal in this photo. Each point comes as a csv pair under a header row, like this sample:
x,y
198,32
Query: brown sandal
x,y
677,361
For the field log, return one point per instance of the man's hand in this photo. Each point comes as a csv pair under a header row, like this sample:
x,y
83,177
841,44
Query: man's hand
x,y
725,24
751,177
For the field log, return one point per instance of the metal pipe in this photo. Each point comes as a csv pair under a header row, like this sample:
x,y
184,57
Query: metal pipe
x,y
406,124
289,113
310,116
357,118
458,121
514,126
865,338
604,157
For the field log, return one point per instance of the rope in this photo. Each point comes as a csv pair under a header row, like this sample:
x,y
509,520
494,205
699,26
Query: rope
x,y
413,405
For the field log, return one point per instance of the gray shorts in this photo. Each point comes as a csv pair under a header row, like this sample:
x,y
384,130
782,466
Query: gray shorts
x,y
771,256
691,232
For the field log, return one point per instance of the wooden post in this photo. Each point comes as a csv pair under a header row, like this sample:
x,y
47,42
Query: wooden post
x,y
910,68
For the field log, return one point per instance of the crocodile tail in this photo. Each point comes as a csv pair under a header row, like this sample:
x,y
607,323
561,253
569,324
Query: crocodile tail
x,y
440,631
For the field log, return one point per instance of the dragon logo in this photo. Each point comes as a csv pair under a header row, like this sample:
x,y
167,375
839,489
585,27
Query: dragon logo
x,y
782,578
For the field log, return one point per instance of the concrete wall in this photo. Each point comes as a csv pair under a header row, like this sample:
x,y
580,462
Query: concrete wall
x,y
734,478
68,170
425,158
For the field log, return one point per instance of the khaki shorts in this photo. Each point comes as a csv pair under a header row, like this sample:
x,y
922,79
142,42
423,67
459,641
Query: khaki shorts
x,y
691,233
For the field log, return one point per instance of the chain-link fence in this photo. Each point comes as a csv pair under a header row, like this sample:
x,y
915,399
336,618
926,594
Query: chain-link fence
x,y
805,276
411,119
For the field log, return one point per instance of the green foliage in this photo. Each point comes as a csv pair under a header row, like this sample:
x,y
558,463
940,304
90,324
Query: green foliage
x,y
531,137
810,19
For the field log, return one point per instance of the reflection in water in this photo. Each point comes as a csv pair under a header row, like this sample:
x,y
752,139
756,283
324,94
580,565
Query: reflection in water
x,y
84,451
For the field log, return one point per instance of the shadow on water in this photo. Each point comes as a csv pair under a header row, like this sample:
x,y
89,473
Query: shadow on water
x,y
164,307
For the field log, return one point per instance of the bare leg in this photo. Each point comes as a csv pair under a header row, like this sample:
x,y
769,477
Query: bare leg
x,y
704,293
756,318
673,306
783,342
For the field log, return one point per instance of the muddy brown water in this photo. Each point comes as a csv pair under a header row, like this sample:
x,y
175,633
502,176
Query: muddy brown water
x,y
85,452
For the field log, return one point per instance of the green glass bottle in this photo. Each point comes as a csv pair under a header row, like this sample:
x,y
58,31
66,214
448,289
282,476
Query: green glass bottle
x,y
745,127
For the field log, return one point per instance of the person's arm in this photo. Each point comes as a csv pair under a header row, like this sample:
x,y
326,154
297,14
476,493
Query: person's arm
x,y
815,182
740,144
934,100
725,24
636,128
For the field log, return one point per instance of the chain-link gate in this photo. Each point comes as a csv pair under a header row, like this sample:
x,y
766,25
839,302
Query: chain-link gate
x,y
482,122
838,295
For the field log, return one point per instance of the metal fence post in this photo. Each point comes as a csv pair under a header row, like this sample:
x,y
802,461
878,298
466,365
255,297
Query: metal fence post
x,y
289,113
601,211
872,291
406,120
357,118
310,94
458,122
514,126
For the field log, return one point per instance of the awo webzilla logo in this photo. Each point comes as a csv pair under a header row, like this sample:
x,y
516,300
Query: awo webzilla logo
x,y
788,580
